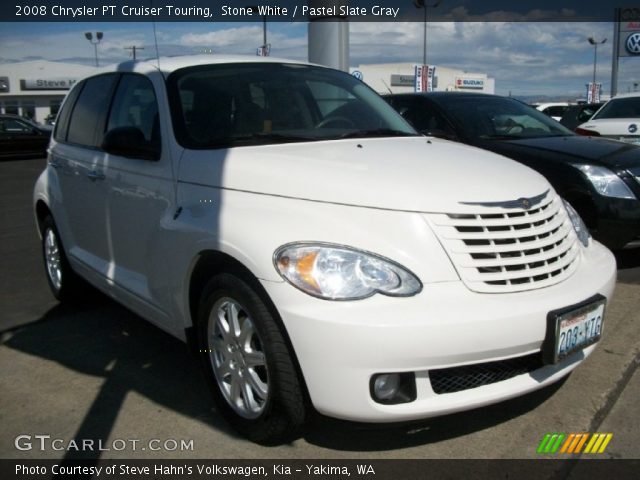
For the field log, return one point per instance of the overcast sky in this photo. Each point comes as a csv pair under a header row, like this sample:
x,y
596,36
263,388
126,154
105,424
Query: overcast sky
x,y
526,58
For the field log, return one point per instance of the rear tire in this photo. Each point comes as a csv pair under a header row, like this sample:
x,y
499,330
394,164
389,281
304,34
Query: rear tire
x,y
254,380
63,281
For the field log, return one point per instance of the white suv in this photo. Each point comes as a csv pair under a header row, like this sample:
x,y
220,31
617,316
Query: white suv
x,y
313,247
618,119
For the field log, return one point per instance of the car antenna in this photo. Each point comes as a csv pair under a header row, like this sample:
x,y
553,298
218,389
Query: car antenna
x,y
155,37
385,84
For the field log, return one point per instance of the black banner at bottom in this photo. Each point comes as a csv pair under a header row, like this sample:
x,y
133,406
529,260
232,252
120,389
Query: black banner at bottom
x,y
588,469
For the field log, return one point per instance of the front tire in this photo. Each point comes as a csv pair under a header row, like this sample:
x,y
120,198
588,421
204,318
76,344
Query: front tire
x,y
254,380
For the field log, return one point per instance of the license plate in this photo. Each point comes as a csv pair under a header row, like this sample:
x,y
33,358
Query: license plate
x,y
572,329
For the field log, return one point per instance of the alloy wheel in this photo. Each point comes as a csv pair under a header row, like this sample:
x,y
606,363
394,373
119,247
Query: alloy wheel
x,y
238,359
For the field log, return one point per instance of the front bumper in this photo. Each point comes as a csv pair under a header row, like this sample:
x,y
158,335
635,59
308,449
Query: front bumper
x,y
340,345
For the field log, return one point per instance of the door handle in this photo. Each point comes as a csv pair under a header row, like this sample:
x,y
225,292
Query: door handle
x,y
94,175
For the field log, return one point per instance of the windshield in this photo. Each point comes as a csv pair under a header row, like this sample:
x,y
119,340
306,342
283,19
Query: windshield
x,y
261,103
620,108
499,118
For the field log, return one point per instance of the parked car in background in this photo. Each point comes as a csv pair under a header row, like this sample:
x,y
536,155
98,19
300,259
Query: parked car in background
x,y
599,177
575,115
20,137
50,119
553,110
311,246
619,119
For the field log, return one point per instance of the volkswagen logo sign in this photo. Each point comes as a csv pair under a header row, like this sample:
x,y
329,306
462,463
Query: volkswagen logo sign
x,y
633,44
633,128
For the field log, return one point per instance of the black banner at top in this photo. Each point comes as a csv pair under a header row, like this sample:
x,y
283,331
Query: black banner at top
x,y
312,10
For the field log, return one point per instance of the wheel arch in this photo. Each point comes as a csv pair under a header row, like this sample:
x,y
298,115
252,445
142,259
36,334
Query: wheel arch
x,y
42,210
209,263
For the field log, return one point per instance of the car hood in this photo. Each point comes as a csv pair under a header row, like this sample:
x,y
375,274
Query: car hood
x,y
408,174
573,148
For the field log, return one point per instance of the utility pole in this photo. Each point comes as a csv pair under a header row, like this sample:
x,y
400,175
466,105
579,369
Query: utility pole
x,y
133,49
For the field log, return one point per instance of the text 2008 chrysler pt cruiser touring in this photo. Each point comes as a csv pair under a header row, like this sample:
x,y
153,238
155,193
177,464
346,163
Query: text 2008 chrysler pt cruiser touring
x,y
316,248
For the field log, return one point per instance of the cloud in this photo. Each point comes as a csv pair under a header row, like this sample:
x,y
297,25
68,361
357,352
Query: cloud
x,y
552,57
523,57
245,40
223,38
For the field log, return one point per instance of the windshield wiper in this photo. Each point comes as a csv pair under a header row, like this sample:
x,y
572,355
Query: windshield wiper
x,y
500,137
278,137
377,132
521,137
259,138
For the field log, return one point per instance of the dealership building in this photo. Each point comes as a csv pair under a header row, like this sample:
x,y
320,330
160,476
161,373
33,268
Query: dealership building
x,y
400,78
36,88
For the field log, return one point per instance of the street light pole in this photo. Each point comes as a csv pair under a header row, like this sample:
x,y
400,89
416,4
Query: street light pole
x,y
595,44
89,36
425,5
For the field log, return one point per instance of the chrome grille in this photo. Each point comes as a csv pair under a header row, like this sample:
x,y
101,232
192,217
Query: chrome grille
x,y
496,250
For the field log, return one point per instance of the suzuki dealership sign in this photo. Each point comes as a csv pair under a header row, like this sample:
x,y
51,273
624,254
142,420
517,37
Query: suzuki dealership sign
x,y
469,83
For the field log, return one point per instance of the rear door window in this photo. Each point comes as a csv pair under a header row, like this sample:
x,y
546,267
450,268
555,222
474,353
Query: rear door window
x,y
86,126
62,122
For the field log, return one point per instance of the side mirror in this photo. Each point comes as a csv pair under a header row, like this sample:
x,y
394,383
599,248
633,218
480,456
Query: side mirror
x,y
129,142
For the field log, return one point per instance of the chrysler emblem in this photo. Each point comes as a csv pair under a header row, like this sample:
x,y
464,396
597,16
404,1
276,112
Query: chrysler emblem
x,y
522,202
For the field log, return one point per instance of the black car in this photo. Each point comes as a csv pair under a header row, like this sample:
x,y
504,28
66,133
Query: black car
x,y
599,177
20,137
575,115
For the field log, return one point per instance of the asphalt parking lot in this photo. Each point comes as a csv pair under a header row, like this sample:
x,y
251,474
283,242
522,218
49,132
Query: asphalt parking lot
x,y
97,371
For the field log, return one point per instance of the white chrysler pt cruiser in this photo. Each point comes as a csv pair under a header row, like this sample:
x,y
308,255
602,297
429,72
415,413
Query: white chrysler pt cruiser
x,y
312,247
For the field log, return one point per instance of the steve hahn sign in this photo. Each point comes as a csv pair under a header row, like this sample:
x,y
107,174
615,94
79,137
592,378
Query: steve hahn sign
x,y
47,83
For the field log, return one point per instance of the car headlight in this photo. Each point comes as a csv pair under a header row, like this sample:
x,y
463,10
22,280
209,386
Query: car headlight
x,y
606,182
336,272
578,225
